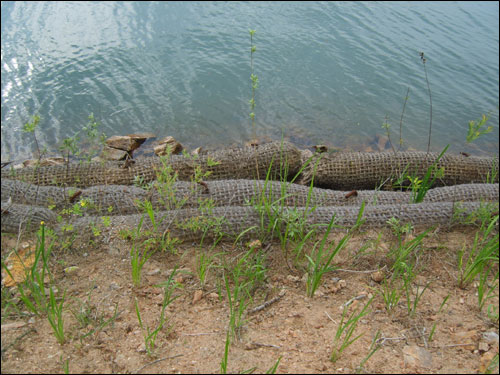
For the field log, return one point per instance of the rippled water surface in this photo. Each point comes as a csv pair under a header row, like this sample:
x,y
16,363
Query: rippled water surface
x,y
328,72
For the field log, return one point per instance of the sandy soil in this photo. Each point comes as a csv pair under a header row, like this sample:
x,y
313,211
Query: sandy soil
x,y
296,328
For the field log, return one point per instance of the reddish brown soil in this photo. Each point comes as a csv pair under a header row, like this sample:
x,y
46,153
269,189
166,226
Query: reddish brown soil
x,y
298,329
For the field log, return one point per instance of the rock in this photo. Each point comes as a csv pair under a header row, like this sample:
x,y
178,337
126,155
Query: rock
x,y
486,361
483,346
71,269
320,148
109,153
197,296
490,337
163,144
292,278
124,142
252,143
141,137
377,276
381,141
256,244
213,296
470,338
417,356
196,151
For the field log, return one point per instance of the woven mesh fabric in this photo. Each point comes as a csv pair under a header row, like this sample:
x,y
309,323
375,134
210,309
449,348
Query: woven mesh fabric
x,y
24,217
356,170
123,199
246,162
235,220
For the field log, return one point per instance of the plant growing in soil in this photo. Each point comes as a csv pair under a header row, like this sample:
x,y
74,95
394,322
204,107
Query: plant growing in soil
x,y
347,328
320,259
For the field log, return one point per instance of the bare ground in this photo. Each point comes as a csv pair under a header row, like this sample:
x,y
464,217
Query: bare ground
x,y
298,329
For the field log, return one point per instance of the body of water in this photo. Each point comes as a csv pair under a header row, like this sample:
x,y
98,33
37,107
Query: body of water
x,y
329,72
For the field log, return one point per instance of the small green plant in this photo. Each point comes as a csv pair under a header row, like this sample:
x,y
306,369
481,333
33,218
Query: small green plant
x,y
387,126
343,337
486,290
137,260
93,141
483,253
475,130
55,317
492,366
374,347
420,187
30,127
246,275
32,291
150,335
204,263
433,329
223,362
321,257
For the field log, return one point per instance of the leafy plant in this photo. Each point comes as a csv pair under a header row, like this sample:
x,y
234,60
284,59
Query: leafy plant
x,y
346,328
150,334
320,259
475,130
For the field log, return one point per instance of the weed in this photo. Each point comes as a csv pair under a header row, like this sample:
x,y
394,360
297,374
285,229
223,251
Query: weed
x,y
484,252
274,367
150,335
223,363
320,259
137,260
30,127
32,291
246,275
374,347
475,128
387,126
347,329
55,317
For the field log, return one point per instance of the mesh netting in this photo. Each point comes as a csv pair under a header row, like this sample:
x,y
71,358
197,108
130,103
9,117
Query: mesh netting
x,y
358,170
17,217
246,162
232,221
121,199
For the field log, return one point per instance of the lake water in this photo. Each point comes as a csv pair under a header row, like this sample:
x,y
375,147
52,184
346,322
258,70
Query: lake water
x,y
329,72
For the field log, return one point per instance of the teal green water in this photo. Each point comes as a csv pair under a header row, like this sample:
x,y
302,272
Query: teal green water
x,y
329,72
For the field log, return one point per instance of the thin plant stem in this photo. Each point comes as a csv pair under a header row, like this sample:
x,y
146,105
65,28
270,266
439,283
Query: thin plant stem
x,y
401,121
430,100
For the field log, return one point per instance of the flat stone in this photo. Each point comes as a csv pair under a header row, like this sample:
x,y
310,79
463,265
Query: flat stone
x,y
382,142
141,136
377,276
417,356
198,294
163,144
125,143
109,153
